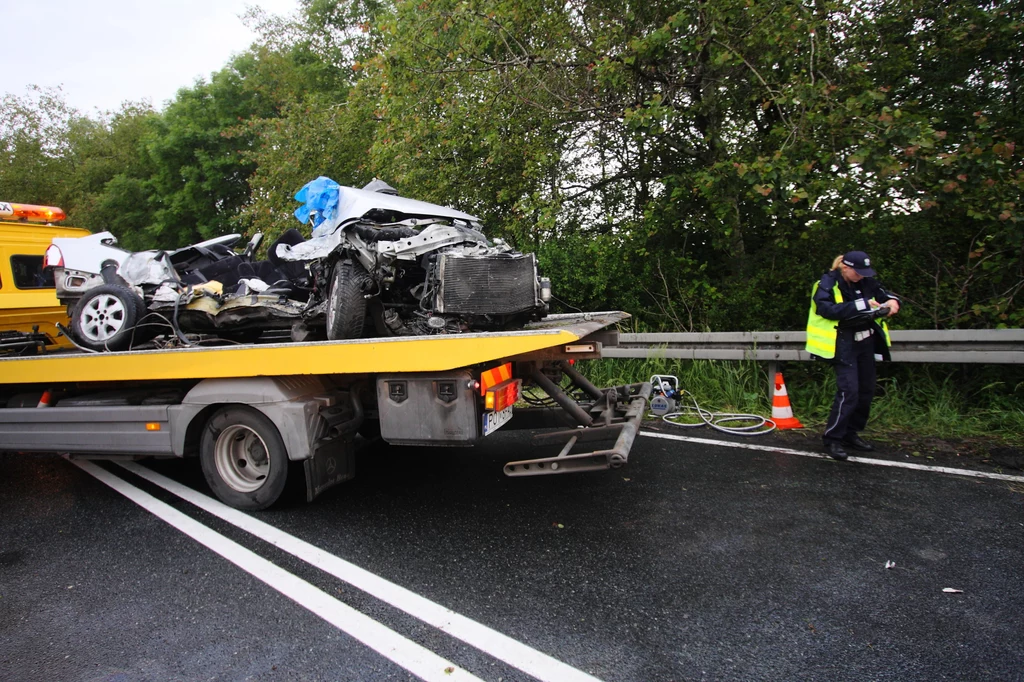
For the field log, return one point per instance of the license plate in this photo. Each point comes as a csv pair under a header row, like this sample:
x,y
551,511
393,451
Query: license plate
x,y
495,420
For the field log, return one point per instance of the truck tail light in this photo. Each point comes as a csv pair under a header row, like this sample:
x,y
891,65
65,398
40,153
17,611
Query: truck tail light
x,y
503,395
53,258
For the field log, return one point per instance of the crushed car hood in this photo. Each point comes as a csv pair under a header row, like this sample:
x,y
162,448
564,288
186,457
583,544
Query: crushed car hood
x,y
359,203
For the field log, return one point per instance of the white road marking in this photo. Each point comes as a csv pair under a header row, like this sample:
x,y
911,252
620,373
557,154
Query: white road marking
x,y
418,660
504,648
861,460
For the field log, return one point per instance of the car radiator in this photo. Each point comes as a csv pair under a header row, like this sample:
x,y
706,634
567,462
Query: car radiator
x,y
489,285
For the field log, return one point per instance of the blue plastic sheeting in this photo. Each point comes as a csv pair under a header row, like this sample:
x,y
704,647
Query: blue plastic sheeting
x,y
320,199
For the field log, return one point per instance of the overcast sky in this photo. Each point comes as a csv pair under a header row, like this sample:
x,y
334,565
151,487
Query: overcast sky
x,y
103,52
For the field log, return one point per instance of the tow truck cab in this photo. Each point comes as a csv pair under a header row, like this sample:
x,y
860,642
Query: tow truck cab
x,y
28,300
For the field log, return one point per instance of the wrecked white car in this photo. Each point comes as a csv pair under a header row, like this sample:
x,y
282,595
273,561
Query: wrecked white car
x,y
380,264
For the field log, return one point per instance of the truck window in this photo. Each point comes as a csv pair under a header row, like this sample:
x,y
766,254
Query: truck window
x,y
28,273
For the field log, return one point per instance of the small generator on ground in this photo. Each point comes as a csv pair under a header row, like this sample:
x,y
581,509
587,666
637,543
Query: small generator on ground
x,y
664,391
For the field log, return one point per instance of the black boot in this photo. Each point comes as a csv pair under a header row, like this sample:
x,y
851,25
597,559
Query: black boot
x,y
858,443
835,451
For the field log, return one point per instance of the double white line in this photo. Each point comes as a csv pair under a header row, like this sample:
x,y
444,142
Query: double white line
x,y
418,660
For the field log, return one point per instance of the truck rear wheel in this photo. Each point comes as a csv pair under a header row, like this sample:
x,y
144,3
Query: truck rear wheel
x,y
346,304
105,318
244,458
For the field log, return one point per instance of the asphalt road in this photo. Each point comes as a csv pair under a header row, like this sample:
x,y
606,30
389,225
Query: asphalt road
x,y
694,562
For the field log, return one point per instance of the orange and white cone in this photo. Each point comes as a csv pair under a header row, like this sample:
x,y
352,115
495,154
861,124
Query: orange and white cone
x,y
782,413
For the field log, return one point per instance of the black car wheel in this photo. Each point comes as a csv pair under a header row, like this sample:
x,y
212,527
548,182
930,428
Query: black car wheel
x,y
346,305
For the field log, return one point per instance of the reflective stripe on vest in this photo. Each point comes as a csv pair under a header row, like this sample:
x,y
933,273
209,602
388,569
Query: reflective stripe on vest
x,y
822,333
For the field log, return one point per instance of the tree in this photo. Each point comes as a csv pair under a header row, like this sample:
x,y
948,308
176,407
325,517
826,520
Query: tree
x,y
34,145
327,115
201,178
108,186
740,144
697,163
96,169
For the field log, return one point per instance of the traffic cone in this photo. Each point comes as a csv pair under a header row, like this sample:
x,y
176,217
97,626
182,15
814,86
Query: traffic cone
x,y
782,413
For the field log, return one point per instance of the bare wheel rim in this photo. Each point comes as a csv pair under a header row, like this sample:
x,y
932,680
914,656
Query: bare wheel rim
x,y
103,317
242,459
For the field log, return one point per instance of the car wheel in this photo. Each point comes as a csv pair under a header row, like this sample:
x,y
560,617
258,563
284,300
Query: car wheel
x,y
105,318
346,304
244,458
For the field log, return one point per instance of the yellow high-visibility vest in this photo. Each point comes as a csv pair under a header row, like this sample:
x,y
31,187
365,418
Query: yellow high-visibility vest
x,y
822,333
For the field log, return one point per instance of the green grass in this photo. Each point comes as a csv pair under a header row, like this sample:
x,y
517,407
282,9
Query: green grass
x,y
930,401
944,408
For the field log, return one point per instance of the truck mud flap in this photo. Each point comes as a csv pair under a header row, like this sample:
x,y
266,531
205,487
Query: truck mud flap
x,y
612,414
333,462
333,453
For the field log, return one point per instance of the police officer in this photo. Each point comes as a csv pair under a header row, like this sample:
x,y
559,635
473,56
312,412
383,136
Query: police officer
x,y
846,326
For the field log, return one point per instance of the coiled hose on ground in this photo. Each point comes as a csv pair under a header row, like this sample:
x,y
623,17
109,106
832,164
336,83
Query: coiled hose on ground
x,y
717,420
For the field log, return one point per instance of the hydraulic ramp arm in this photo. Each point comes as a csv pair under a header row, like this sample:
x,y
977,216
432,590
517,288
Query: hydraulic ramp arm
x,y
612,414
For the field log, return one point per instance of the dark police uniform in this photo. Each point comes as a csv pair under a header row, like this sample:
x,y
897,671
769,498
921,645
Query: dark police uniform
x,y
859,340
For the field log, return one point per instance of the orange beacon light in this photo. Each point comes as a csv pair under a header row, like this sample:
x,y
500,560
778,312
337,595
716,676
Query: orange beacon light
x,y
30,213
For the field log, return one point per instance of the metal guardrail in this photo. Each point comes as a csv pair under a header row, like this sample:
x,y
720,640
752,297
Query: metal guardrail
x,y
989,346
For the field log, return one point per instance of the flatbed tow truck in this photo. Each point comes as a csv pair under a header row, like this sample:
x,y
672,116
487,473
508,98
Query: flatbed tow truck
x,y
249,411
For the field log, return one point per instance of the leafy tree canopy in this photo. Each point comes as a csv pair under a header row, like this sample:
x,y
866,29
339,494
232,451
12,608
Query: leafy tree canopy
x,y
698,164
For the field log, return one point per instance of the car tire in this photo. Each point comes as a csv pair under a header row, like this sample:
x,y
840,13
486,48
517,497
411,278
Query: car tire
x,y
105,318
346,304
244,458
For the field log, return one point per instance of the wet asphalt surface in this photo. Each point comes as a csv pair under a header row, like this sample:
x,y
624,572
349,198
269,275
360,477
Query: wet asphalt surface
x,y
694,562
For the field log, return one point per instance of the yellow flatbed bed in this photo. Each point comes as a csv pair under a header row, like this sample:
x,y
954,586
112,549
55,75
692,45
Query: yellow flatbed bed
x,y
363,356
